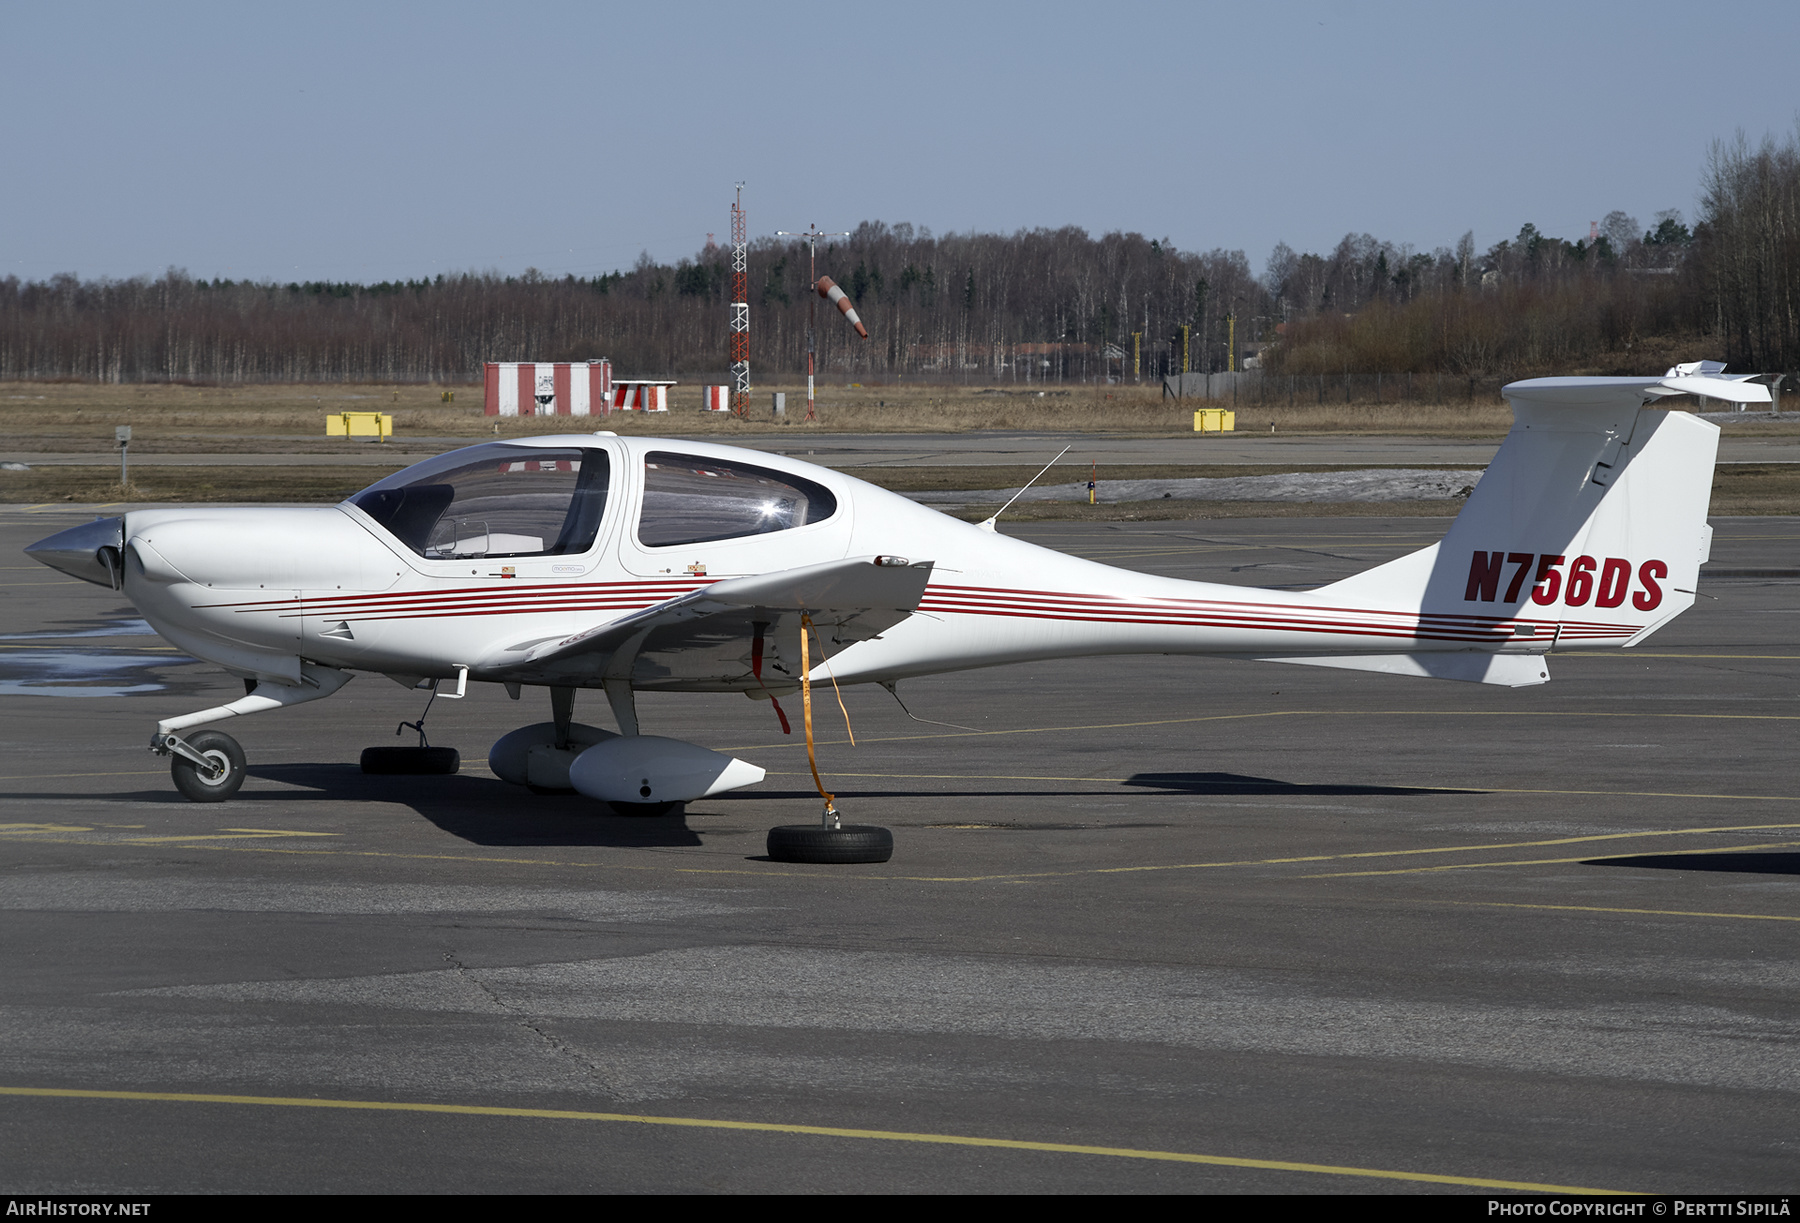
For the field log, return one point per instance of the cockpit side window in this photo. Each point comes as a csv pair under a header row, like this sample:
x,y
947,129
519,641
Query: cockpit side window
x,y
494,500
691,500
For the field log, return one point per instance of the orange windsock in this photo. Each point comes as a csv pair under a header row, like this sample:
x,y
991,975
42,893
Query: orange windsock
x,y
830,292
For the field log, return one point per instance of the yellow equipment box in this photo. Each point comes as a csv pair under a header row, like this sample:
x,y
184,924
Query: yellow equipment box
x,y
1215,420
378,425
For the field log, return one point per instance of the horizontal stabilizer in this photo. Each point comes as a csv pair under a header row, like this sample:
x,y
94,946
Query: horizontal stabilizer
x,y
1732,389
1633,392
1507,670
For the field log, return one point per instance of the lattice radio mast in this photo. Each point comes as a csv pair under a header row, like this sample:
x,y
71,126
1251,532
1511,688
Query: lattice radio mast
x,y
740,310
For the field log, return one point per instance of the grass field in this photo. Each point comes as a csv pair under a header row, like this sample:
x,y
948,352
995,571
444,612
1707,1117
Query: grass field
x,y
80,417
60,416
36,416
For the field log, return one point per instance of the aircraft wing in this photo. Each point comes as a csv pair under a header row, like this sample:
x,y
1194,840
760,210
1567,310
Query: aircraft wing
x,y
719,638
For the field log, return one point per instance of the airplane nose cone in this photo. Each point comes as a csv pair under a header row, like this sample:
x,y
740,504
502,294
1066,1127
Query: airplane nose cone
x,y
89,552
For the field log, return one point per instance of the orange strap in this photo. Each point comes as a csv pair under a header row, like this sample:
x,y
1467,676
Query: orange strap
x,y
806,701
826,659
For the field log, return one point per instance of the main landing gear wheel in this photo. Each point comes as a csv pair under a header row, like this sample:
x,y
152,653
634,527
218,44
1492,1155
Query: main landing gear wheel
x,y
816,843
227,768
411,761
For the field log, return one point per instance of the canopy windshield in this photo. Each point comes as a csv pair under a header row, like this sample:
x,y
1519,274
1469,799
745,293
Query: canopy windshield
x,y
494,500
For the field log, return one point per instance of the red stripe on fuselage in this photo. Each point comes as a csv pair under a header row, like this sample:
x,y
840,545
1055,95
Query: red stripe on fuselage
x,y
544,596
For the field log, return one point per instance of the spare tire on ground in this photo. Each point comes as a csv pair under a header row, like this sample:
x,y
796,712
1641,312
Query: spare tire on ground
x,y
411,761
816,843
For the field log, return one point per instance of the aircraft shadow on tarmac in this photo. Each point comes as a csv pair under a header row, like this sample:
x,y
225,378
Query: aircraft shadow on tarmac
x,y
1235,783
486,811
1743,864
480,810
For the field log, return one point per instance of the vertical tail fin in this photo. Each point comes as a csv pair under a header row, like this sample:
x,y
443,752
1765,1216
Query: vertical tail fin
x,y
1589,526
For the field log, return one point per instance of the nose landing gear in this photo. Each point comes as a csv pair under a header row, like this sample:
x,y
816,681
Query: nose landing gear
x,y
208,766
213,771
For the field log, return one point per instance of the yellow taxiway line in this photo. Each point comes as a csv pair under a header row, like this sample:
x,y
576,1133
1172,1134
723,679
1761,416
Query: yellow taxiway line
x,y
42,831
1501,904
1469,866
1302,789
1315,713
46,833
811,1131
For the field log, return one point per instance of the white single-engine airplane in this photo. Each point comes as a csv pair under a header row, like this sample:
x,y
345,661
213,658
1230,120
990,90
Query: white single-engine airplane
x,y
628,565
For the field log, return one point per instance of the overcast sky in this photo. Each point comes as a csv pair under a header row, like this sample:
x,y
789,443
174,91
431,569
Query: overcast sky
x,y
370,141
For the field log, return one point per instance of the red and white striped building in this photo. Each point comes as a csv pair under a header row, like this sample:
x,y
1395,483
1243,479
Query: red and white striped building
x,y
543,388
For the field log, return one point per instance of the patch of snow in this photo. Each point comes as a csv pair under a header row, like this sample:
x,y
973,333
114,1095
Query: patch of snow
x,y
1375,484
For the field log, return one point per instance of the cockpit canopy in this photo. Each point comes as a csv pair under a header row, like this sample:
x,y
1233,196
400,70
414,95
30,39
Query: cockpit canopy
x,y
500,499
494,500
692,500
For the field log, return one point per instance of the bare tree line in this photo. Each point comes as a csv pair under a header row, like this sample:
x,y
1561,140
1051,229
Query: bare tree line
x,y
1729,288
1748,251
1033,305
1526,304
1036,305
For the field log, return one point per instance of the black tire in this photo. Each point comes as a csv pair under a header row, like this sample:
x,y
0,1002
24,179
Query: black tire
x,y
218,747
816,843
411,761
637,809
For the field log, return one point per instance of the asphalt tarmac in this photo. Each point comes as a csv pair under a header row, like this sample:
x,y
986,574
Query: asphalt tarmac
x,y
1152,924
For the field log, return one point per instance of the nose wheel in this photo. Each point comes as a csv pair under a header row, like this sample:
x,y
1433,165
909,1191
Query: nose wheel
x,y
222,772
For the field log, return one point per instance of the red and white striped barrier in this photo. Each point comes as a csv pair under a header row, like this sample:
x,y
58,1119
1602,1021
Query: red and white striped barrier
x,y
828,289
718,398
544,388
640,395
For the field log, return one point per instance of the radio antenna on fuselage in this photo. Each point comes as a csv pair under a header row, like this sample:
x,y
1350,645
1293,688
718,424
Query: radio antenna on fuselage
x,y
991,523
